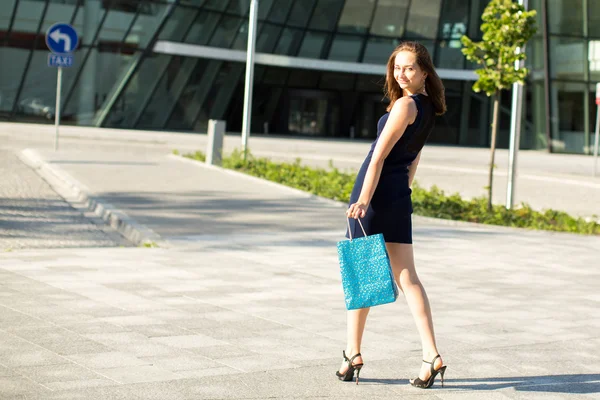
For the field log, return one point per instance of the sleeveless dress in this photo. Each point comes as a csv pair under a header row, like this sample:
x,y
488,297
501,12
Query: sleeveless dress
x,y
390,209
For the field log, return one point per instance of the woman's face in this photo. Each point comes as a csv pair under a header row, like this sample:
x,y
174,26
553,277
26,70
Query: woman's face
x,y
407,72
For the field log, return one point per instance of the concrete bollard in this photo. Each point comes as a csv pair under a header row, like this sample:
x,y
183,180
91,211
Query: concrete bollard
x,y
214,148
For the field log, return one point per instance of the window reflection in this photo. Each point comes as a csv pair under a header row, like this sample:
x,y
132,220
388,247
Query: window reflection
x,y
345,48
566,17
312,45
226,31
423,19
289,42
389,18
301,11
266,40
326,14
202,29
356,16
378,50
568,58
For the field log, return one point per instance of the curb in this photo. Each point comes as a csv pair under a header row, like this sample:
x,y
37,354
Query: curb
x,y
84,200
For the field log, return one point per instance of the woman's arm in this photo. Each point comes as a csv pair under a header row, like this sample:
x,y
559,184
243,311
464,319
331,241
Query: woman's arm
x,y
402,114
412,169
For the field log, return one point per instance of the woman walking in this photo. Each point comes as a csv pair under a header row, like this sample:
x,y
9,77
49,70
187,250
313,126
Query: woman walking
x,y
381,196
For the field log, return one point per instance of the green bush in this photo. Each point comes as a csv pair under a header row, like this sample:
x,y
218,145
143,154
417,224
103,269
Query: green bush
x,y
333,184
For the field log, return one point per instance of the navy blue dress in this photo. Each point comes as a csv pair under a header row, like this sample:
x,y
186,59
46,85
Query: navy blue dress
x,y
390,210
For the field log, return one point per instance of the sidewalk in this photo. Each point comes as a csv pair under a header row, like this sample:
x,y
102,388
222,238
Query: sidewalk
x,y
243,299
559,181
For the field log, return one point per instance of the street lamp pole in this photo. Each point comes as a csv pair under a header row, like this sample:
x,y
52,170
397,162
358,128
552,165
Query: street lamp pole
x,y
515,130
252,24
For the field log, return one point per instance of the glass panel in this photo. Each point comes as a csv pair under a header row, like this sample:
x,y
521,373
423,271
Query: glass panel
x,y
289,42
196,3
378,50
166,93
128,6
300,13
594,19
241,39
309,115
535,55
303,78
202,29
178,24
279,12
264,7
38,97
568,59
145,25
449,56
275,76
217,5
11,75
128,105
240,7
453,23
326,14
568,100
566,16
268,38
28,16
226,32
345,48
389,18
370,83
190,112
312,45
115,25
356,16
594,57
423,19
6,12
337,81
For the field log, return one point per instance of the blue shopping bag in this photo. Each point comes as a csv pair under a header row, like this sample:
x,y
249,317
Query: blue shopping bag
x,y
367,276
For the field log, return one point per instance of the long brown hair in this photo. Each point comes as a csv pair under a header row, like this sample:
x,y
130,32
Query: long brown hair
x,y
433,83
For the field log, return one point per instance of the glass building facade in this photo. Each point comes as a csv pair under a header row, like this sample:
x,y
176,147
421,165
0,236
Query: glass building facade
x,y
320,66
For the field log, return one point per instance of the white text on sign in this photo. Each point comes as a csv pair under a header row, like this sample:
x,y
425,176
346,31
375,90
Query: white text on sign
x,y
57,60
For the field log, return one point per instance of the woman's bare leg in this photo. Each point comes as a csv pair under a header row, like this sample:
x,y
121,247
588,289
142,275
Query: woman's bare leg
x,y
356,327
403,266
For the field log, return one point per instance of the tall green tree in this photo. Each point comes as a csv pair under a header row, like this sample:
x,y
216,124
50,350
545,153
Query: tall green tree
x,y
506,27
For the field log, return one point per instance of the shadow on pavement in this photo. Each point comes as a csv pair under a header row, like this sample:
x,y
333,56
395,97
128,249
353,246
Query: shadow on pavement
x,y
576,383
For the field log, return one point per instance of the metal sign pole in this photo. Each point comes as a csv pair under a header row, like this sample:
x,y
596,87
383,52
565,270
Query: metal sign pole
x,y
57,109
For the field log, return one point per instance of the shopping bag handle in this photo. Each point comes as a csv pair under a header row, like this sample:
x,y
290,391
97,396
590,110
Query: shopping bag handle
x,y
350,230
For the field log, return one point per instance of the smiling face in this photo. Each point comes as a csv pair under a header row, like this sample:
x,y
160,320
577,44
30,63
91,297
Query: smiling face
x,y
408,73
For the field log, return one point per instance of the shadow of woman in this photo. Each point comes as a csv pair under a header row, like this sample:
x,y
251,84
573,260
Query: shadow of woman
x,y
575,383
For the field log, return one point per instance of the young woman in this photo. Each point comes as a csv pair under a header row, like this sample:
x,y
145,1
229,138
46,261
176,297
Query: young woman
x,y
381,196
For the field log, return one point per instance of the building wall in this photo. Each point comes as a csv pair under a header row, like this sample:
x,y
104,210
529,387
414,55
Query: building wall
x,y
119,80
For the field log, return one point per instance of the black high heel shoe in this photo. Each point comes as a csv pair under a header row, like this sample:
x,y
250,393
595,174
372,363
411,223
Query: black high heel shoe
x,y
427,384
349,374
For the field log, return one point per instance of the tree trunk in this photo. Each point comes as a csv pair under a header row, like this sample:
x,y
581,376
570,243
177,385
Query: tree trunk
x,y
493,147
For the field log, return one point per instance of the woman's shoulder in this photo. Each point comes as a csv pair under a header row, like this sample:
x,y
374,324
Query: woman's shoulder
x,y
405,105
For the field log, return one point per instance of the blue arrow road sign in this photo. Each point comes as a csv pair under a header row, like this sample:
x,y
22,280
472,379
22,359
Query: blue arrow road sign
x,y
61,38
58,60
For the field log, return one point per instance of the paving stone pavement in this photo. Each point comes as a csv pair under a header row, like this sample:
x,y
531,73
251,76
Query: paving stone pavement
x,y
240,318
253,308
33,215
